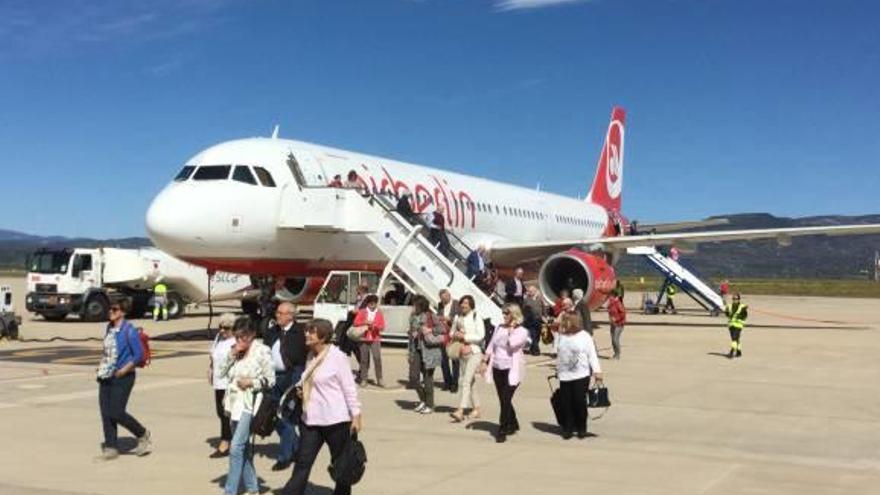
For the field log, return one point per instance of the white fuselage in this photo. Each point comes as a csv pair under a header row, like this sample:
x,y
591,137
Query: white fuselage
x,y
228,219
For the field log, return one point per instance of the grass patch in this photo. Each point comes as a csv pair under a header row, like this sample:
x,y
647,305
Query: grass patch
x,y
777,287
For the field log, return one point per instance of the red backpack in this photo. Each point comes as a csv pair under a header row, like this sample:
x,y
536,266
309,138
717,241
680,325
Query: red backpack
x,y
145,348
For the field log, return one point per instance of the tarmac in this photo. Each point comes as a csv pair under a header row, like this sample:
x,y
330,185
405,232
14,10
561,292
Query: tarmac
x,y
798,413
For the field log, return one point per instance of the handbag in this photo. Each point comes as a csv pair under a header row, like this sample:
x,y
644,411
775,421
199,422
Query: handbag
x,y
453,349
350,464
546,335
265,417
598,396
356,333
555,400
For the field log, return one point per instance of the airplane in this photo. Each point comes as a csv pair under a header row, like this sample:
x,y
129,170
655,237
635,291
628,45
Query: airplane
x,y
222,212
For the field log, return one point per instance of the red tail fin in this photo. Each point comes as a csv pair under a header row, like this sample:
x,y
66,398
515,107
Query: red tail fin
x,y
608,183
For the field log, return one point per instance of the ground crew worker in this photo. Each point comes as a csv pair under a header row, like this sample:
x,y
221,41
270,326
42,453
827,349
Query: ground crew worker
x,y
160,301
736,312
670,296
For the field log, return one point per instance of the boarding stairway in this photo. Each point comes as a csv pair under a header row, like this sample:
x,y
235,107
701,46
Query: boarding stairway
x,y
681,277
412,259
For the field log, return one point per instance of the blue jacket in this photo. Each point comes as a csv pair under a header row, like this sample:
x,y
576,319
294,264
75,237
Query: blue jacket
x,y
473,264
128,345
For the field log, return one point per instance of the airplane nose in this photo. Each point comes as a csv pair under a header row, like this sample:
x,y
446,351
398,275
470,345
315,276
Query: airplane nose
x,y
165,222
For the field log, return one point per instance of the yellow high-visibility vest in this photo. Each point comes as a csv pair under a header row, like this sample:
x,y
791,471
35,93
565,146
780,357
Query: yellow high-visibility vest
x,y
735,321
160,289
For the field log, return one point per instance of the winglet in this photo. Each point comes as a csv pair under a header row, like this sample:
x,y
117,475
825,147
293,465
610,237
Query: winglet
x,y
275,132
608,182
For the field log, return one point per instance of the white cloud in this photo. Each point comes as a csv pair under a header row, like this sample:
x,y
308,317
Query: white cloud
x,y
507,5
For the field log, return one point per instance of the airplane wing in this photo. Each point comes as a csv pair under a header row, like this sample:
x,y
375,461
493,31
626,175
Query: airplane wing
x,y
510,253
661,228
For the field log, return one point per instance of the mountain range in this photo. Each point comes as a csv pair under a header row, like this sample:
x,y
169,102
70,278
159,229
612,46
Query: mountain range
x,y
807,257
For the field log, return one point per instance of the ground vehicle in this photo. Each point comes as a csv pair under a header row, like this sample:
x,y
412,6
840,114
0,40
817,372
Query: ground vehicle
x,y
83,281
9,323
338,295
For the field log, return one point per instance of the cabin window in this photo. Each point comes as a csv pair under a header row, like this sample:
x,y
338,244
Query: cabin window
x,y
243,174
264,176
212,172
184,173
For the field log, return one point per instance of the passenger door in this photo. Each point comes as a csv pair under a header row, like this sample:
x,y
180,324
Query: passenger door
x,y
306,170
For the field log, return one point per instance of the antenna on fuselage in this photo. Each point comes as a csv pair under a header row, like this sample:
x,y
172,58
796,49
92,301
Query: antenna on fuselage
x,y
275,131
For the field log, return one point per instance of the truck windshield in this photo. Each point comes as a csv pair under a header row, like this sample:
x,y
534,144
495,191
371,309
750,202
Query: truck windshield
x,y
49,262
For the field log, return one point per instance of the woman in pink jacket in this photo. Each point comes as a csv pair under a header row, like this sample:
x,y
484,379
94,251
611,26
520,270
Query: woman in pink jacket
x,y
504,355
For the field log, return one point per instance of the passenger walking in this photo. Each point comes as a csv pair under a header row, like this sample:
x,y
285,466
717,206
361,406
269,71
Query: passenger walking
x,y
121,354
425,340
576,362
476,264
468,329
371,319
557,305
617,317
533,317
724,290
287,341
736,312
352,181
331,411
250,371
504,364
515,289
221,348
447,310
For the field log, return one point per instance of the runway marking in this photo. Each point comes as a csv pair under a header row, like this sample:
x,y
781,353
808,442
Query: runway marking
x,y
85,394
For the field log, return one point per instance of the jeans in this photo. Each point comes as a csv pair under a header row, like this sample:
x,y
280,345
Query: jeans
x,y
450,373
534,329
414,362
507,422
426,388
113,394
286,426
365,350
225,427
313,438
735,334
241,458
616,330
574,405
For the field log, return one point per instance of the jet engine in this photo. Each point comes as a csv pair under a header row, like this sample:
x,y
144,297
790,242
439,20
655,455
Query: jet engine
x,y
576,269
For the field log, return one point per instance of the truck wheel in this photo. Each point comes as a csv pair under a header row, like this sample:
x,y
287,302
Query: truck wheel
x,y
96,308
176,306
54,316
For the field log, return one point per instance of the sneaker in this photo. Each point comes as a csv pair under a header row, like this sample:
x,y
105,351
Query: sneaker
x,y
500,438
419,408
739,353
108,454
566,435
426,410
582,435
730,354
145,445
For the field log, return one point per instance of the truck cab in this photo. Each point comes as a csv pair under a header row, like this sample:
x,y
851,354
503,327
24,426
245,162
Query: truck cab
x,y
64,281
338,297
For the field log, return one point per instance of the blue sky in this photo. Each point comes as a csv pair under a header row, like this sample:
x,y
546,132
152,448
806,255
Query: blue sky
x,y
732,106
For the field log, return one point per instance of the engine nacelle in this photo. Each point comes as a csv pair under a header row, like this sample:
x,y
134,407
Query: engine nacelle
x,y
576,269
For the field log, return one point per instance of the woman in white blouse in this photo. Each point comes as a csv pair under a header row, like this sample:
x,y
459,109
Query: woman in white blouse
x,y
220,348
468,329
576,362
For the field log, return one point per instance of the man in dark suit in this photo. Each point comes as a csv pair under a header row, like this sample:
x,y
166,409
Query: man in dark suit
x,y
287,342
447,310
515,288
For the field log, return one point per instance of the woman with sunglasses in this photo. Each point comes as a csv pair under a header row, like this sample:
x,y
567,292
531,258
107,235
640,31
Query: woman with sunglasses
x,y
248,369
504,356
331,411
122,353
220,348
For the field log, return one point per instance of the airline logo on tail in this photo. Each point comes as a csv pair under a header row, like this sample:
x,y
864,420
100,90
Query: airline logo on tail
x,y
608,183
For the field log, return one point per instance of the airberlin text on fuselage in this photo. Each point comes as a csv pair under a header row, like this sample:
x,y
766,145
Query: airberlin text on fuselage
x,y
455,205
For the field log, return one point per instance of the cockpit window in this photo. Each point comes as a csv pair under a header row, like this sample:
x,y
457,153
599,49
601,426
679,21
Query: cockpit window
x,y
243,174
212,172
184,173
264,176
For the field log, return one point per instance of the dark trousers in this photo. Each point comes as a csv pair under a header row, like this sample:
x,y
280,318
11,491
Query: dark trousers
x,y
425,389
313,438
507,422
450,372
113,396
225,427
535,334
735,334
574,405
